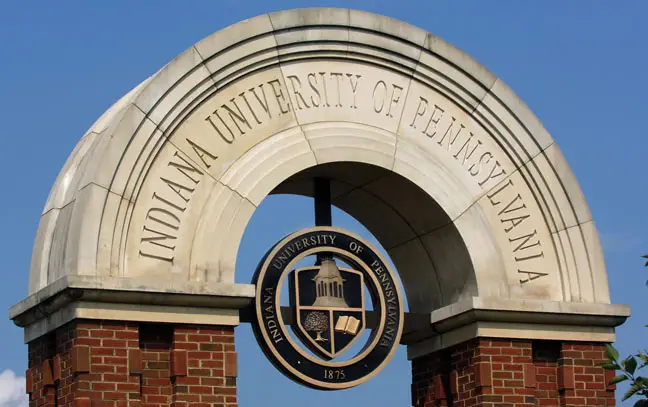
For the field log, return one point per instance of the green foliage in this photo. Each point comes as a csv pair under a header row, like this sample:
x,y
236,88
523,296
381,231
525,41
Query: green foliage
x,y
629,368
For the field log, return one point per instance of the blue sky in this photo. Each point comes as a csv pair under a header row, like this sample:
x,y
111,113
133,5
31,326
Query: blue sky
x,y
580,66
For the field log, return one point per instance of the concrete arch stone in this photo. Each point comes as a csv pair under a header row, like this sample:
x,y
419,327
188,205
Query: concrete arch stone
x,y
157,194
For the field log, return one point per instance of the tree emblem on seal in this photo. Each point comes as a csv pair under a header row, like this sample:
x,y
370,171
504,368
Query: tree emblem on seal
x,y
317,322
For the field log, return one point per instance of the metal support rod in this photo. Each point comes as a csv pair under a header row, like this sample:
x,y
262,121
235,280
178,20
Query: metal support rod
x,y
322,195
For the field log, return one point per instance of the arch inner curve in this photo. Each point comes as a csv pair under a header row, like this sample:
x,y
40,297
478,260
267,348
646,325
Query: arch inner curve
x,y
429,254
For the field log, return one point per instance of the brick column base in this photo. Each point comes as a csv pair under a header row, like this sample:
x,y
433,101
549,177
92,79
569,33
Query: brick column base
x,y
88,363
513,373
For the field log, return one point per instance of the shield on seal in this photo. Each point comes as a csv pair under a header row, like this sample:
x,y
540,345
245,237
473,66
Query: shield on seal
x,y
329,307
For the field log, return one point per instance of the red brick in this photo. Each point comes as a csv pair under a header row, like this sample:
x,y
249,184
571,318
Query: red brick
x,y
114,395
513,368
103,386
97,368
186,345
566,377
135,361
212,399
156,399
81,402
103,352
188,397
231,365
453,383
439,389
128,387
114,360
513,399
88,341
116,343
209,363
80,359
56,368
185,329
201,372
179,362
223,339
199,355
491,351
117,326
200,390
46,370
609,375
97,333
212,381
483,375
127,335
511,351
29,381
198,338
224,390
529,375
216,331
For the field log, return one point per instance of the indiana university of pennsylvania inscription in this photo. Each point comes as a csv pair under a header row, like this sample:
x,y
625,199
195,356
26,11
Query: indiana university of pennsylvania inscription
x,y
428,115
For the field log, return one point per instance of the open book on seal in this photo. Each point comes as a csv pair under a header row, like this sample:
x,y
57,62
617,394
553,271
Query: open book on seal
x,y
347,324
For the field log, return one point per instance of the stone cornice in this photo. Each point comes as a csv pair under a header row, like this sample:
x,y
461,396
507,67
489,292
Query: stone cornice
x,y
506,318
69,289
527,311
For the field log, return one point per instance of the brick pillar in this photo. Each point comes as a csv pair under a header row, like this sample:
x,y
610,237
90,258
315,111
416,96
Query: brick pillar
x,y
545,361
125,364
155,345
430,381
204,366
40,380
512,373
580,381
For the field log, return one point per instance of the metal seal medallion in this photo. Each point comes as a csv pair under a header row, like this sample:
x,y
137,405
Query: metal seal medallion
x,y
330,303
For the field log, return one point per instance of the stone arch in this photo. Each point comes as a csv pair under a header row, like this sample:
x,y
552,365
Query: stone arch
x,y
158,192
458,180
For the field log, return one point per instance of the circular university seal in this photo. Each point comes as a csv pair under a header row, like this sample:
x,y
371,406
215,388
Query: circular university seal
x,y
328,312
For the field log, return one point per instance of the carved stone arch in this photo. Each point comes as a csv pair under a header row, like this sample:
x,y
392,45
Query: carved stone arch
x,y
157,194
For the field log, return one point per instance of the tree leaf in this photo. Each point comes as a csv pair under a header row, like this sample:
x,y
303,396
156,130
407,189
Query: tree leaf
x,y
611,352
631,391
610,366
630,365
618,379
641,403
